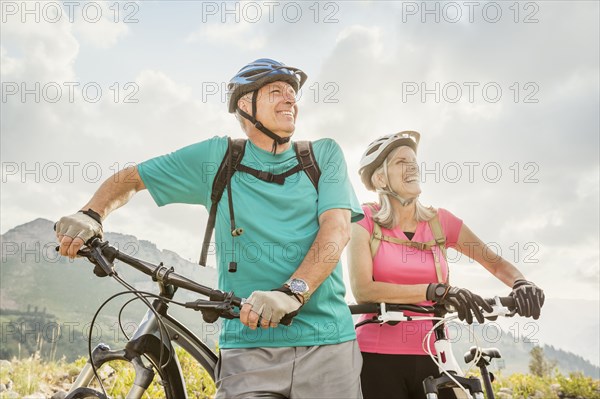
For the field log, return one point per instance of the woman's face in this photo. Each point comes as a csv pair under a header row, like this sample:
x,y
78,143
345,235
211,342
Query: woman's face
x,y
403,172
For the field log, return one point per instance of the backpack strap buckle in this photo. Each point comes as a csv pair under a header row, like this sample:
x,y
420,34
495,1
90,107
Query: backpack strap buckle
x,y
265,176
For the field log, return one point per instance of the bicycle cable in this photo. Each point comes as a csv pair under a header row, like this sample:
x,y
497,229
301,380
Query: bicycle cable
x,y
96,314
160,323
128,338
148,295
478,353
430,353
139,295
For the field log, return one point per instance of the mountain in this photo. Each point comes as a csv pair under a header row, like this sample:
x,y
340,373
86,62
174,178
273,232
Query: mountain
x,y
46,297
48,301
514,351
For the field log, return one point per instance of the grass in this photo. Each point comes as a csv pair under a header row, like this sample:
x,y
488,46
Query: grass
x,y
33,375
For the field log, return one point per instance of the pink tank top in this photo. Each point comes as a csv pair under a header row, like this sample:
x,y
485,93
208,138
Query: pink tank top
x,y
401,264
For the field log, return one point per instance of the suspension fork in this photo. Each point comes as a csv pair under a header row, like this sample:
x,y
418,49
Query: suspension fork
x,y
102,354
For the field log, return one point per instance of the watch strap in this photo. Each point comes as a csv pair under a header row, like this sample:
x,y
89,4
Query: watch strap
x,y
286,290
305,294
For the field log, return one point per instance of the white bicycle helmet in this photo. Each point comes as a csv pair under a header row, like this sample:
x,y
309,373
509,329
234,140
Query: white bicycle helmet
x,y
379,149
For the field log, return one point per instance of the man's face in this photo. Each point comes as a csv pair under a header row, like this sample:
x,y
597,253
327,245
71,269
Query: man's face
x,y
276,108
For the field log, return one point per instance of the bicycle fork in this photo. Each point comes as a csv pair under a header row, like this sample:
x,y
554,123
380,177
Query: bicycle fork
x,y
449,365
102,354
146,335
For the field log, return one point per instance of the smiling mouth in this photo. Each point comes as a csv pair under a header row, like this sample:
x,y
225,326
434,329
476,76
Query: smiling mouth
x,y
287,113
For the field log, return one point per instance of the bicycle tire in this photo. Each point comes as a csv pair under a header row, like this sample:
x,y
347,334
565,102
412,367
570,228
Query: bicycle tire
x,y
171,376
85,393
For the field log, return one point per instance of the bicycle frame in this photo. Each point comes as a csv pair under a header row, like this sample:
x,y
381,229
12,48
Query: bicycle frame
x,y
153,339
450,372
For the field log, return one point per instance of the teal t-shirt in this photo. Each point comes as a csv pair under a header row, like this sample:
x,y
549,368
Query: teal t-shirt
x,y
280,224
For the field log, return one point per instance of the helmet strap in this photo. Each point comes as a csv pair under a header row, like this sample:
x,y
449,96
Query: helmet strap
x,y
401,200
388,190
257,124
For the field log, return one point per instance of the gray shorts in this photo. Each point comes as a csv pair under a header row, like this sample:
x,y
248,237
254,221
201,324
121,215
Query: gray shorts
x,y
327,371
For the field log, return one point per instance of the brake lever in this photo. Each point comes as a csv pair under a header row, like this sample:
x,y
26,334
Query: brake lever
x,y
93,252
498,310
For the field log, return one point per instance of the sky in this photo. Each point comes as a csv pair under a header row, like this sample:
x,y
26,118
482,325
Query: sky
x,y
504,94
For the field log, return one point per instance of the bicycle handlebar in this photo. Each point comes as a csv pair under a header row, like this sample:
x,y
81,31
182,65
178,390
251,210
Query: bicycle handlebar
x,y
101,254
507,302
394,307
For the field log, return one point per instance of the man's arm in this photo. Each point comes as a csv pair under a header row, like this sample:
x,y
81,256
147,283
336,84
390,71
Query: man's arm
x,y
115,192
319,262
332,238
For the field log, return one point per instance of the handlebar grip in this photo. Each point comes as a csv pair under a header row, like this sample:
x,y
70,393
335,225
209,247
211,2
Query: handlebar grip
x,y
286,320
364,308
82,252
507,301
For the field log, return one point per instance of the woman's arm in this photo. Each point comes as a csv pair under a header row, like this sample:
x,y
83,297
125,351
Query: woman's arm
x,y
470,245
366,290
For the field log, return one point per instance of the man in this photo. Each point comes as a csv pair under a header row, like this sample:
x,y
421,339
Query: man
x,y
286,260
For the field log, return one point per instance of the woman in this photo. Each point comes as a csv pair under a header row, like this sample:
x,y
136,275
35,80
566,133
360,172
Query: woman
x,y
394,363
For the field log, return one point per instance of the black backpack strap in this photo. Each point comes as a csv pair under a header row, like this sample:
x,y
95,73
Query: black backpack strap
x,y
306,159
306,162
232,163
268,176
235,152
234,155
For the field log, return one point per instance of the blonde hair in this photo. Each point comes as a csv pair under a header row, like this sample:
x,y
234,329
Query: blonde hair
x,y
385,215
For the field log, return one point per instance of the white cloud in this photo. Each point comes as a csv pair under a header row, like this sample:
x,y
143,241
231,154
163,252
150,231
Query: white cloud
x,y
46,51
241,35
367,56
103,24
366,41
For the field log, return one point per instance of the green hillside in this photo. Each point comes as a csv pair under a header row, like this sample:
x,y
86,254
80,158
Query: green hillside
x,y
48,301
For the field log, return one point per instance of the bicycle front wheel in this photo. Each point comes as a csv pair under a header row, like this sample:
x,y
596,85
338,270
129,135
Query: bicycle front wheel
x,y
133,378
85,393
123,376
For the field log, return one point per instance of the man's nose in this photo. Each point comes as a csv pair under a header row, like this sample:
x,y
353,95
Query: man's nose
x,y
290,96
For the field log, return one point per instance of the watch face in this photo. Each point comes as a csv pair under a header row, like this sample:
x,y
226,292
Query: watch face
x,y
298,286
439,291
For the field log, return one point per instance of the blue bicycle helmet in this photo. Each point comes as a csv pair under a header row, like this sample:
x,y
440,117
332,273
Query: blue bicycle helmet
x,y
254,76
259,73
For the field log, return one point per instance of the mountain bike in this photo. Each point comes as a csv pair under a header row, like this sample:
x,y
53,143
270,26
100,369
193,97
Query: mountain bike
x,y
451,376
150,349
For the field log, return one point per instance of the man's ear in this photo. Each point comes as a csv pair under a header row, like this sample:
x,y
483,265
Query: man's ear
x,y
243,104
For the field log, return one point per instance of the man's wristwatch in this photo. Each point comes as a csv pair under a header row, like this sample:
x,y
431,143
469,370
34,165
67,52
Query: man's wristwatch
x,y
298,287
